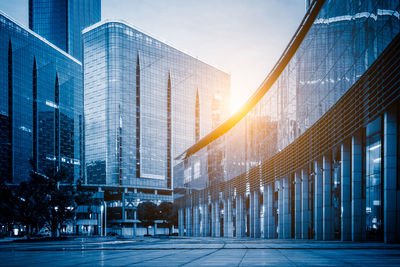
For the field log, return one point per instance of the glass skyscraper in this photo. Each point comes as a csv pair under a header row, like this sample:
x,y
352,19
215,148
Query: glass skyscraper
x,y
305,157
145,103
61,21
41,105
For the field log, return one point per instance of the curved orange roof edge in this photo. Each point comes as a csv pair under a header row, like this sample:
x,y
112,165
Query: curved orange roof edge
x,y
276,71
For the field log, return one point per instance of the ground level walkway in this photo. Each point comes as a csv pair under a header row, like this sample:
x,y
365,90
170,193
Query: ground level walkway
x,y
196,252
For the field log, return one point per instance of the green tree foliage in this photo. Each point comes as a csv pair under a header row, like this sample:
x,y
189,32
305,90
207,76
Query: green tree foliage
x,y
147,213
44,200
168,213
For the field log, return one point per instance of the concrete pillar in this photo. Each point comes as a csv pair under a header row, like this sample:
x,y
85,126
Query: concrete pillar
x,y
269,218
357,220
189,221
230,217
196,222
217,220
251,214
318,200
305,209
225,227
239,216
135,225
286,208
297,204
390,210
256,214
213,219
181,219
155,228
280,208
327,224
345,192
206,219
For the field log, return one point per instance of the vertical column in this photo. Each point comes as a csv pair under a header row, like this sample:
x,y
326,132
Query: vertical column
x,y
217,220
225,233
305,209
269,215
286,208
345,192
189,221
280,208
391,228
327,224
297,205
256,214
239,216
265,206
206,219
196,221
251,214
357,225
318,200
213,219
229,217
181,221
135,225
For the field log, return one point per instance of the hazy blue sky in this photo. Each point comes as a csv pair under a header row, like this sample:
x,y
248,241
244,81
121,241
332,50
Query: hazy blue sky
x,y
243,38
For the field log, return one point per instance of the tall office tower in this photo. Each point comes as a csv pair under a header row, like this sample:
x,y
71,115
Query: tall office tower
x,y
41,105
61,21
145,103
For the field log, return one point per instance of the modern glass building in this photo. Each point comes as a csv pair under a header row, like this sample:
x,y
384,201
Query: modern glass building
x,y
145,103
314,153
41,105
61,21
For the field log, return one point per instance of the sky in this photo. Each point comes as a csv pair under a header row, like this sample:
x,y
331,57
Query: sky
x,y
244,38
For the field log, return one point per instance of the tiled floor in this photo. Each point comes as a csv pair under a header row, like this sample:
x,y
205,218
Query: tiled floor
x,y
197,252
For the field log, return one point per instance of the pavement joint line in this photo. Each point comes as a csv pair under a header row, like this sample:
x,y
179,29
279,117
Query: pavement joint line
x,y
150,259
203,256
244,255
203,248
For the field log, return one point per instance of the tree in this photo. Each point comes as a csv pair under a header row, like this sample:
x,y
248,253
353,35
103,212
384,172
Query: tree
x,y
147,213
169,214
7,205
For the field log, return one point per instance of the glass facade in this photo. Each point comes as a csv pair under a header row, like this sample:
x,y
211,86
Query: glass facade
x,y
320,144
41,105
145,103
344,40
61,21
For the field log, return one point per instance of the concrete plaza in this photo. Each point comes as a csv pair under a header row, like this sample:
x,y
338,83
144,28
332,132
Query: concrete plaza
x,y
195,252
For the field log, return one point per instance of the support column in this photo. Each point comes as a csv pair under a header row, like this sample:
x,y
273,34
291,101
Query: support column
x,y
305,209
181,218
256,214
357,220
225,229
196,221
286,214
297,205
239,216
269,219
206,219
327,224
229,216
213,219
189,222
251,214
217,221
390,223
280,209
318,200
345,192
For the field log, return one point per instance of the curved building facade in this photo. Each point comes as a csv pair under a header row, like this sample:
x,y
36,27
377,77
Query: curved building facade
x,y
314,152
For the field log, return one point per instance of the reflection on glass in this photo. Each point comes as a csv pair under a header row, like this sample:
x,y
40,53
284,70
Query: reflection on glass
x,y
373,181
